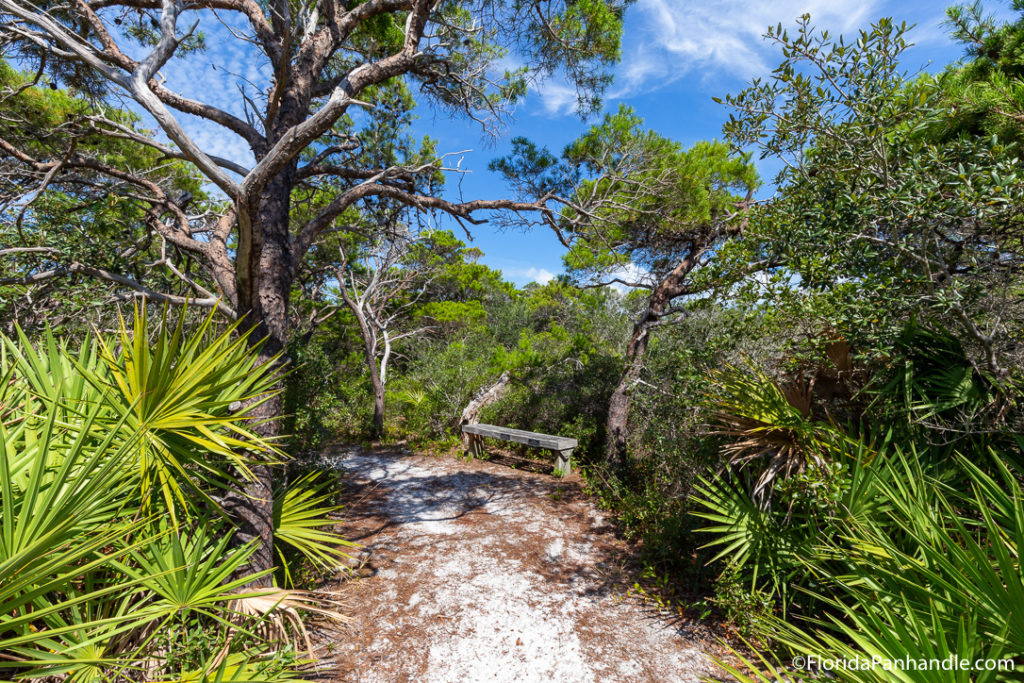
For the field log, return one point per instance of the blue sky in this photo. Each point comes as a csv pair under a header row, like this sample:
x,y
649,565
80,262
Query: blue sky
x,y
677,55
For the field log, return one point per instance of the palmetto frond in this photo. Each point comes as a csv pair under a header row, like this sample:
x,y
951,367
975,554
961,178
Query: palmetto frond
x,y
929,574
769,428
275,613
105,457
302,521
184,393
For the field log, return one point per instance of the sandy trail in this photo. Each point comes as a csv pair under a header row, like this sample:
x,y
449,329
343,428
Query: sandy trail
x,y
478,572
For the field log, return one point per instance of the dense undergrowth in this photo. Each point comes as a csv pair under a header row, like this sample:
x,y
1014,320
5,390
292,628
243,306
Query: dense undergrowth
x,y
117,562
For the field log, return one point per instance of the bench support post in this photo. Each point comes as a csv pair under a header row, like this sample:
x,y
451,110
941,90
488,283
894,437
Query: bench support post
x,y
563,466
475,446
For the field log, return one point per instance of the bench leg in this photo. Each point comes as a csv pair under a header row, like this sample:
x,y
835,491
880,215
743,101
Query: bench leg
x,y
474,446
563,466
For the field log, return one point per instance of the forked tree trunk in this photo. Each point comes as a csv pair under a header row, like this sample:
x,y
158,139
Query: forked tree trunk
x,y
377,371
370,357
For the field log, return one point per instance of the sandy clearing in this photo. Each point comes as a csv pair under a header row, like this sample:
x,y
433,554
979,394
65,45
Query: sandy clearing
x,y
479,572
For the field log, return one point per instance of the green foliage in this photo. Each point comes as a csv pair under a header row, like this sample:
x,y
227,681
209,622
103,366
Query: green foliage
x,y
762,551
189,573
877,220
873,505
436,389
115,561
179,392
924,577
79,215
563,363
636,197
557,340
893,549
656,511
933,382
983,93
173,395
671,440
562,385
318,407
302,522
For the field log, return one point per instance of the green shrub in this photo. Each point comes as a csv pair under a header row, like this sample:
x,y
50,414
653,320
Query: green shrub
x,y
900,548
923,576
328,396
429,397
116,563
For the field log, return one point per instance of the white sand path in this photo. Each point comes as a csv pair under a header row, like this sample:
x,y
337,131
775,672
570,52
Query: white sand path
x,y
479,572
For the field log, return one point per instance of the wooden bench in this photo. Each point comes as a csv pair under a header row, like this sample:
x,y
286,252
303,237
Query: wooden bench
x,y
561,445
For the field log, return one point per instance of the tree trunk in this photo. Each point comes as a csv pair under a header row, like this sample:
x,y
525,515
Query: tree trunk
x,y
252,509
378,400
617,426
380,381
264,289
618,406
370,356
483,397
385,358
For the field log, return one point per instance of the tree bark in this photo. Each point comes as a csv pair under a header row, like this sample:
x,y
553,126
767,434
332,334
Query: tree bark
x,y
252,508
264,288
618,405
378,400
658,304
385,357
380,381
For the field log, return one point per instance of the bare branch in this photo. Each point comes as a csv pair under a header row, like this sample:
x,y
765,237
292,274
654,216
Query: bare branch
x,y
135,286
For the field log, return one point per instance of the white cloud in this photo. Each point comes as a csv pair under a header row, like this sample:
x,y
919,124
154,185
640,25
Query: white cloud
x,y
521,276
213,76
541,275
557,97
671,38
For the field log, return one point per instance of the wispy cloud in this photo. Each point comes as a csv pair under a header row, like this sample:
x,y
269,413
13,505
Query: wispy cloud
x,y
673,38
557,97
216,76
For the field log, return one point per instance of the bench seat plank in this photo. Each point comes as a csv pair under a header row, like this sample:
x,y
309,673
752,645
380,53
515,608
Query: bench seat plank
x,y
549,441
